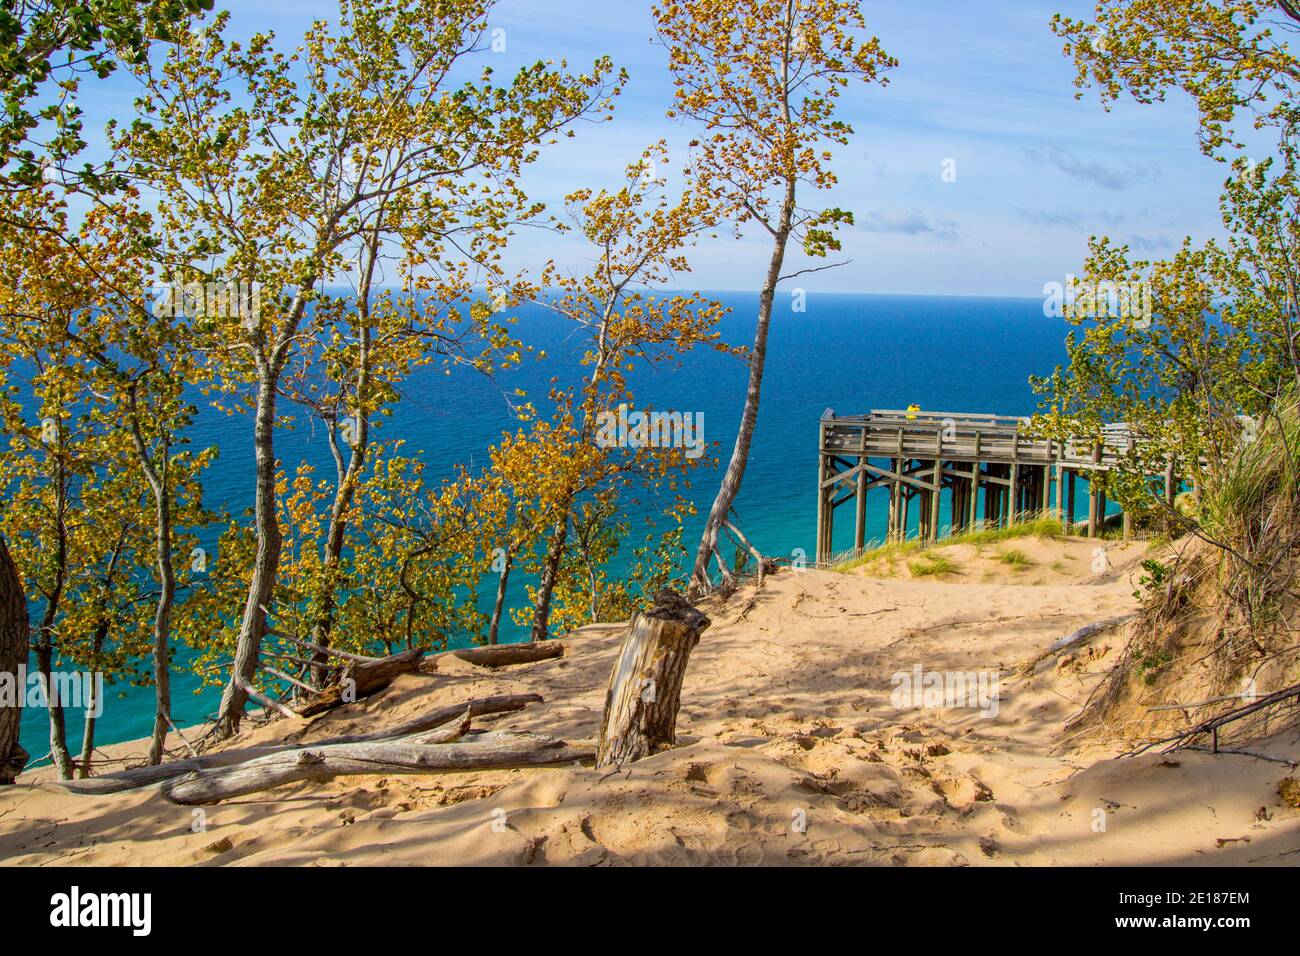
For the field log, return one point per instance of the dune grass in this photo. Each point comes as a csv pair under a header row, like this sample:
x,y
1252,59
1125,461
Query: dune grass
x,y
1015,559
922,554
930,564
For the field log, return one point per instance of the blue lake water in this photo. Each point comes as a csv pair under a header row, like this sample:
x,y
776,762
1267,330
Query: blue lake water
x,y
850,353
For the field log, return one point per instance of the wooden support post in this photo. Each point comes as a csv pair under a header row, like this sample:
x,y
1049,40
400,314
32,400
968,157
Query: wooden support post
x,y
1060,496
1045,489
937,494
860,516
822,503
891,525
1013,490
975,484
957,509
1094,496
1070,498
905,503
897,490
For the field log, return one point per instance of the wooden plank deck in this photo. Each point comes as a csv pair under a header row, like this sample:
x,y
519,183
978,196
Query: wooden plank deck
x,y
995,474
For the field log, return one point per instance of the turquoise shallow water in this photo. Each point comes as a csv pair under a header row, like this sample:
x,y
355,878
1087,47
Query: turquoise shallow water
x,y
850,353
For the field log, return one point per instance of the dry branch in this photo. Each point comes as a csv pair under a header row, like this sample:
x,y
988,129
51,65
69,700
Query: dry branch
x,y
1211,726
140,777
320,649
504,655
1075,638
268,703
488,752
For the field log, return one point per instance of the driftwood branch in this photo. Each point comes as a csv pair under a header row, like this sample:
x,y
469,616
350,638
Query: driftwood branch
x,y
1077,637
764,564
1211,726
141,777
504,655
505,703
489,752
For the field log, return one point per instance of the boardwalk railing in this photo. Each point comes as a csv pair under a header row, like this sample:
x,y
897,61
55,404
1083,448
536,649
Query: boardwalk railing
x,y
995,473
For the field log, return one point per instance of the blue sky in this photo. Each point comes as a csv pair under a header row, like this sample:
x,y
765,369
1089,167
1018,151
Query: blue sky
x,y
985,85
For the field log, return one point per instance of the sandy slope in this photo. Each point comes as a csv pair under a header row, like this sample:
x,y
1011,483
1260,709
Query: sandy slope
x,y
787,720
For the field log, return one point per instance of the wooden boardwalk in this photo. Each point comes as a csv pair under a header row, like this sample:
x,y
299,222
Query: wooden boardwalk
x,y
917,455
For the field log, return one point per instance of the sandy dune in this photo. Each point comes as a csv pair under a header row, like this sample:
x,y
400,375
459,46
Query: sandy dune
x,y
791,751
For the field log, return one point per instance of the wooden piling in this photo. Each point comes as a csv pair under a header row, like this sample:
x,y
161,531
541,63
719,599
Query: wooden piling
x,y
969,454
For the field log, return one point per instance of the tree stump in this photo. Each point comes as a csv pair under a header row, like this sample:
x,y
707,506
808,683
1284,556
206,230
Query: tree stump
x,y
13,653
645,687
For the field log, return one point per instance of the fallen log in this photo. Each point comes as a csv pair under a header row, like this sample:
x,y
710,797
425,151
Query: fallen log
x,y
491,752
504,655
1073,639
138,778
645,686
361,679
479,707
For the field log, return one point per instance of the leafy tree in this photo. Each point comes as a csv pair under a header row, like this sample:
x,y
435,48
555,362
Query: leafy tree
x,y
1230,56
1220,343
46,47
75,317
392,144
762,77
640,236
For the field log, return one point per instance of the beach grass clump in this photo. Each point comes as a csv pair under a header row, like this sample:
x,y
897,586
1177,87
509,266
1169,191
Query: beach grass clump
x,y
932,564
1041,526
1015,559
887,555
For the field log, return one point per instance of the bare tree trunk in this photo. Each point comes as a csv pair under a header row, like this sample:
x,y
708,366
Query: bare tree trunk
x,y
645,686
45,635
735,473
494,625
159,485
87,739
88,732
59,752
550,574
335,539
13,653
262,586
348,478
162,623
